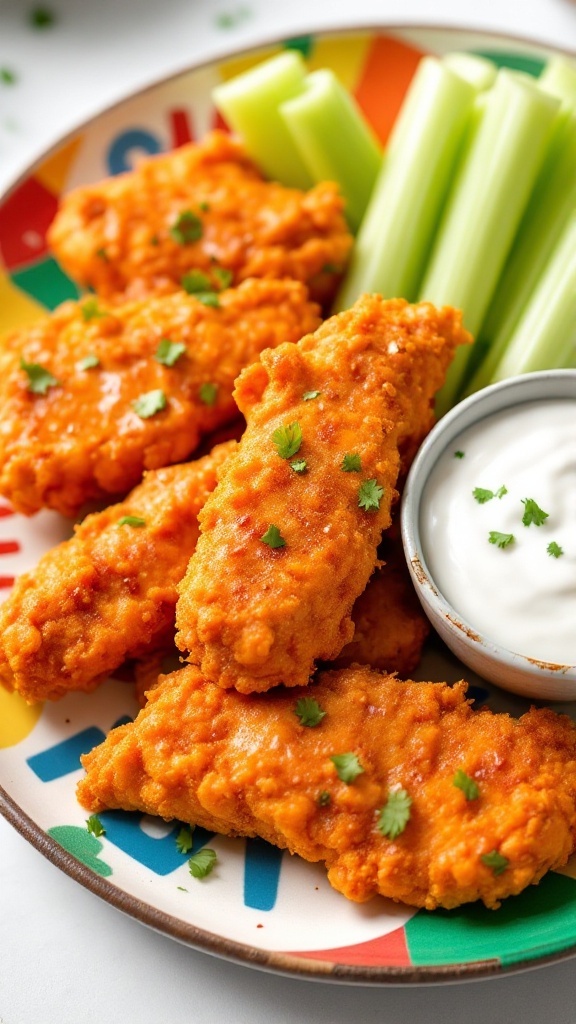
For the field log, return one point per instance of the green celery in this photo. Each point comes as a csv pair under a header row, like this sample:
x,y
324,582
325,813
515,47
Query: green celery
x,y
486,204
334,140
545,337
479,71
249,104
393,241
559,79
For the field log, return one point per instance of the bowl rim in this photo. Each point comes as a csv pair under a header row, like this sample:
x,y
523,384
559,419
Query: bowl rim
x,y
542,385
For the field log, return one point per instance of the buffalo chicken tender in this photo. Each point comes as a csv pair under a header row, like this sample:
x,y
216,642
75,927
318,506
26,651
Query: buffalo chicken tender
x,y
92,397
400,788
289,538
108,593
204,207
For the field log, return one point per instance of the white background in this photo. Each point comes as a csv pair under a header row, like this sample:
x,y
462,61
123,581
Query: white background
x,y
65,956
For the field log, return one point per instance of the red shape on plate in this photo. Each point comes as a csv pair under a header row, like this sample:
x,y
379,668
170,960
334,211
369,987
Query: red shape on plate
x,y
181,128
385,951
25,217
5,511
400,62
6,582
8,547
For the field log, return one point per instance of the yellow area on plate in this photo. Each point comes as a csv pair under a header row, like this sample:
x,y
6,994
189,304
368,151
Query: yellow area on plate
x,y
345,55
55,171
17,307
17,718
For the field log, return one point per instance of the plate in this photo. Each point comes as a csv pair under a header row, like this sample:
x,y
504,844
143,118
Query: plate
x,y
259,907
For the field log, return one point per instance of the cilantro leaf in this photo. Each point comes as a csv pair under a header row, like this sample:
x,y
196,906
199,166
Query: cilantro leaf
x,y
208,393
91,310
224,277
287,440
482,495
131,521
395,814
149,404
169,351
94,826
273,538
501,540
195,281
187,228
324,798
202,863
41,17
88,363
501,491
458,455
347,766
309,711
495,861
554,549
39,379
184,839
309,395
533,513
468,786
351,463
7,76
299,465
369,495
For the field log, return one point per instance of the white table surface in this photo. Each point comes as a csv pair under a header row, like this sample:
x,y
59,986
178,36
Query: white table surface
x,y
65,956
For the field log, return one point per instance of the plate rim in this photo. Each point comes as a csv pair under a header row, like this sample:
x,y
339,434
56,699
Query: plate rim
x,y
244,954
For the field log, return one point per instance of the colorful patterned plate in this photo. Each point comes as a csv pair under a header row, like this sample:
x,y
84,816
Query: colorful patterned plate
x,y
259,907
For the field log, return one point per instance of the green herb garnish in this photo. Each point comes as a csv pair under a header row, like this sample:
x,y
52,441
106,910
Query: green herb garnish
x,y
7,76
347,766
351,463
299,465
223,276
202,863
94,826
149,404
131,521
184,839
91,310
369,495
273,538
482,495
41,17
39,378
533,514
495,861
195,281
395,814
309,395
287,440
187,228
169,351
88,363
458,455
208,393
102,254
501,491
554,549
468,786
501,540
309,711
324,798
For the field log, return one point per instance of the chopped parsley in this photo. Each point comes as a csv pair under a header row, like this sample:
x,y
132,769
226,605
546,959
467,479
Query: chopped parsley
x,y
169,351
202,863
395,814
309,711
501,540
94,826
347,766
208,393
309,395
554,549
91,310
495,861
41,17
7,76
533,514
501,491
351,463
195,281
369,495
131,521
458,455
223,276
287,440
299,465
39,378
187,228
88,363
482,495
208,299
324,798
184,839
468,786
273,538
149,404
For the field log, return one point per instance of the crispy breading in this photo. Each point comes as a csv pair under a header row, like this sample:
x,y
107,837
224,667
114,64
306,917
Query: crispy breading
x,y
84,438
244,765
108,593
121,234
254,616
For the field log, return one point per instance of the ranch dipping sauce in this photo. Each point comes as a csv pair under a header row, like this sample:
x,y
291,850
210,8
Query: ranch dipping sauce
x,y
509,578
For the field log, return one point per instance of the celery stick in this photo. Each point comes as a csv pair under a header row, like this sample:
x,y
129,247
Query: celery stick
x,y
484,209
479,71
334,141
545,337
559,79
553,199
249,104
398,227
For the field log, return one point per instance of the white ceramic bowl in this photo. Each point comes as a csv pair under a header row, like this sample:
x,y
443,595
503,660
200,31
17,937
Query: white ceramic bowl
x,y
515,672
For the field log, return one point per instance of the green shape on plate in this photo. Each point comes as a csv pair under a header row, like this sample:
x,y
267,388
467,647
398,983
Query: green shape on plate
x,y
538,922
46,282
304,44
517,61
82,845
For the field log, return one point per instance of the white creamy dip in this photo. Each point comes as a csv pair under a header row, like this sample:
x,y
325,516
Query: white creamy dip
x,y
520,595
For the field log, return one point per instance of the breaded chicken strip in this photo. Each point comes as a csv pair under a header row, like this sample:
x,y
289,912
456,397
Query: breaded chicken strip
x,y
91,397
374,790
108,593
289,539
202,207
